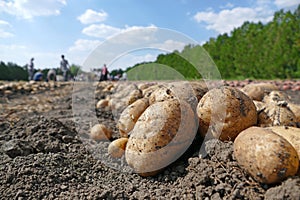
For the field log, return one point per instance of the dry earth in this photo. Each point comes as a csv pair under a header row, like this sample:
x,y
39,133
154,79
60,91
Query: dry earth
x,y
44,156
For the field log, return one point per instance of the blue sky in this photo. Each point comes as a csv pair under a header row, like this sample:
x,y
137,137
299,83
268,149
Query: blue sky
x,y
45,29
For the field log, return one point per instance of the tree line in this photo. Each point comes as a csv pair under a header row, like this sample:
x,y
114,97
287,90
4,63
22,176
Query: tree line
x,y
253,50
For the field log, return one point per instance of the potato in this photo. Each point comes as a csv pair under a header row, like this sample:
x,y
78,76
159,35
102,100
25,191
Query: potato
x,y
227,110
181,90
279,98
160,136
130,115
102,103
295,108
266,156
100,132
199,88
149,90
257,91
124,95
275,97
116,148
291,134
276,114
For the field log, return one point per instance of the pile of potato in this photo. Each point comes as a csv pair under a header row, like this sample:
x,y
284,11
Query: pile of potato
x,y
31,87
158,121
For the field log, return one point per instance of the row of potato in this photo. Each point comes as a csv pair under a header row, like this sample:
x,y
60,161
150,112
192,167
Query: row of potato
x,y
158,121
32,87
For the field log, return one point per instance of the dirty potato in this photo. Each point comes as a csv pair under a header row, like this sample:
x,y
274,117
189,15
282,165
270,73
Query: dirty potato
x,y
130,115
274,110
116,148
291,134
227,111
100,132
266,156
295,108
257,91
160,136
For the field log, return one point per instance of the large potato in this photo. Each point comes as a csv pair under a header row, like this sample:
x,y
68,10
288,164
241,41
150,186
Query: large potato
x,y
257,91
227,110
160,136
130,115
291,134
268,157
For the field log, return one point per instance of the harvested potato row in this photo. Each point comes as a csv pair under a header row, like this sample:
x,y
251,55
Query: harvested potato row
x,y
227,110
160,136
265,155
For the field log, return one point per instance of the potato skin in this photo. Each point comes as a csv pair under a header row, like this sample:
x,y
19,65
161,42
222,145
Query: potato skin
x,y
228,110
291,134
181,90
266,156
117,147
130,115
161,135
275,111
295,108
100,132
257,91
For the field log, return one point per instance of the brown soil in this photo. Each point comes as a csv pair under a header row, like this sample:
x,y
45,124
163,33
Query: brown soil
x,y
44,155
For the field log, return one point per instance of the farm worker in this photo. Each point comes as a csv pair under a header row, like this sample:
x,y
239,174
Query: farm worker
x,y
30,68
104,73
51,75
64,66
38,76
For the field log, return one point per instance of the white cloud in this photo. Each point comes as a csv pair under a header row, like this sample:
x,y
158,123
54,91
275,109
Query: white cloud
x,y
171,45
5,34
286,3
4,23
104,31
228,19
100,30
91,16
28,9
84,45
228,5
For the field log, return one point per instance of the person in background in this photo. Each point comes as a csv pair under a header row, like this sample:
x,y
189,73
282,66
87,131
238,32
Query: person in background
x,y
64,66
38,76
104,73
124,77
30,68
51,75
